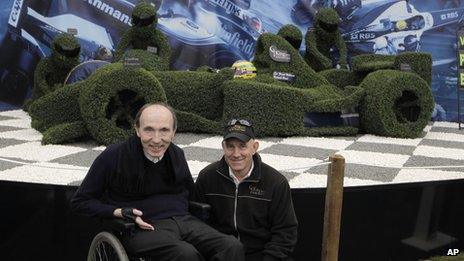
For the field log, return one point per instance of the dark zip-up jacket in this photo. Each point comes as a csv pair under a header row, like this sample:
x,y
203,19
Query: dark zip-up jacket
x,y
100,193
259,211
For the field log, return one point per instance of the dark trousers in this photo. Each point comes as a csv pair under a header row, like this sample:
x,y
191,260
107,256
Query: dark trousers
x,y
184,238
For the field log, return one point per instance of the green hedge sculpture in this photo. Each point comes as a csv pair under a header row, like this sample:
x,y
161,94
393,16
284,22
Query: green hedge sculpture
x,y
144,41
103,106
391,102
278,109
292,34
397,104
324,36
51,72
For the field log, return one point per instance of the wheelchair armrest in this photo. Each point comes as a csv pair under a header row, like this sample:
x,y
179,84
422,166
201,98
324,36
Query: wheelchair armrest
x,y
200,210
118,225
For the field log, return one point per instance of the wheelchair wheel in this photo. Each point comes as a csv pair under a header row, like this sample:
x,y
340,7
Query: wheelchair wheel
x,y
105,246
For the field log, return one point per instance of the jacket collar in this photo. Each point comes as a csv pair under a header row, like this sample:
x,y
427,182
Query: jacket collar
x,y
255,176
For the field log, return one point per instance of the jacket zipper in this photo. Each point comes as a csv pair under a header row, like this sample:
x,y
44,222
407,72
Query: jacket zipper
x,y
235,200
235,211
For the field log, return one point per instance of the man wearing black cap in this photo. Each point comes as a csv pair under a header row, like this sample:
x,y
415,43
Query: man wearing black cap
x,y
249,199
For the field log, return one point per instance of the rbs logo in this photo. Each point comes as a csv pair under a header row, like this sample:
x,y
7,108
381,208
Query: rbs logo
x,y
362,36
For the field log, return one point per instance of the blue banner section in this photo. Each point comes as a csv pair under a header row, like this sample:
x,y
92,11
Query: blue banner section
x,y
219,32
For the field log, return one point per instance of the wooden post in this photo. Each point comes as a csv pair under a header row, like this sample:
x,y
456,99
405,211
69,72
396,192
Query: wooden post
x,y
333,208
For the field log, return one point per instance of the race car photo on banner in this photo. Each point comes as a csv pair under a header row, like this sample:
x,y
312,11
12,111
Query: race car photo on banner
x,y
218,33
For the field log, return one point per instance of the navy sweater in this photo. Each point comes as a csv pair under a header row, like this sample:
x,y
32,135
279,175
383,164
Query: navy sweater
x,y
165,188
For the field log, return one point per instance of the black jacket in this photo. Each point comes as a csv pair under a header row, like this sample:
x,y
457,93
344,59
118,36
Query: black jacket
x,y
259,212
115,176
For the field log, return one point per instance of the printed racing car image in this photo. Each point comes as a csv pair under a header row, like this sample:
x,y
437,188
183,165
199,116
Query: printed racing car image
x,y
33,24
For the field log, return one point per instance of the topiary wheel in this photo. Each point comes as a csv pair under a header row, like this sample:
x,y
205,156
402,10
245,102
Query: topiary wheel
x,y
111,98
397,104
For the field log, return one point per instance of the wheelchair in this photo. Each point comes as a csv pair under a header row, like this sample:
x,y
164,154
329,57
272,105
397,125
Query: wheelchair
x,y
107,246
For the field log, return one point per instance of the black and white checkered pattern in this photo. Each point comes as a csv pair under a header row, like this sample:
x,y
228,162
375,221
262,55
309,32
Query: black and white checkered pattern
x,y
370,160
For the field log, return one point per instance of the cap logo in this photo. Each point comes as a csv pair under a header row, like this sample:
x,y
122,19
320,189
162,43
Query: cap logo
x,y
237,127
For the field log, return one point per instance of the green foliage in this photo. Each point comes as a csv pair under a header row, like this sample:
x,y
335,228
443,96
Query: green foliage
x,y
397,104
64,133
148,61
292,34
205,68
273,110
144,10
319,40
277,110
60,106
195,92
111,98
142,39
51,72
146,38
66,41
191,122
265,78
372,62
329,98
341,77
392,103
305,76
328,16
420,63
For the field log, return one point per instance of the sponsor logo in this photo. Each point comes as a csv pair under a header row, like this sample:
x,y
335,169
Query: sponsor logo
x,y
279,55
132,63
72,31
284,77
110,10
451,15
237,128
152,49
405,67
244,44
362,36
228,6
256,191
15,12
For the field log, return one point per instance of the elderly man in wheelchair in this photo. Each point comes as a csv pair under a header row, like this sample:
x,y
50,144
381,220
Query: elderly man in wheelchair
x,y
146,180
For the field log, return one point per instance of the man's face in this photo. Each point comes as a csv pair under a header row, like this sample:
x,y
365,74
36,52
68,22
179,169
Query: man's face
x,y
239,154
156,130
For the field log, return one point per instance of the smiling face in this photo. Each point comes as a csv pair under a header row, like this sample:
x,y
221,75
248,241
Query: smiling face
x,y
156,130
239,155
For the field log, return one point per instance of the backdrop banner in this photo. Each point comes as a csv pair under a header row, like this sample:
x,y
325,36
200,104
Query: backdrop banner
x,y
219,32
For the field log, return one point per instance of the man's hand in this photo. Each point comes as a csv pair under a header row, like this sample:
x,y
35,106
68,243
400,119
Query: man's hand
x,y
133,214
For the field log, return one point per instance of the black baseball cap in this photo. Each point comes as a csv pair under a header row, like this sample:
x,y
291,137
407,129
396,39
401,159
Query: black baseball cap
x,y
240,129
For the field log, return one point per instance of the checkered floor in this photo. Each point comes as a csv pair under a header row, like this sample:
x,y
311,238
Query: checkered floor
x,y
370,160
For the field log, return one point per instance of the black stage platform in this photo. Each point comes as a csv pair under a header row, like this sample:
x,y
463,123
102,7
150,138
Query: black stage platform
x,y
36,222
